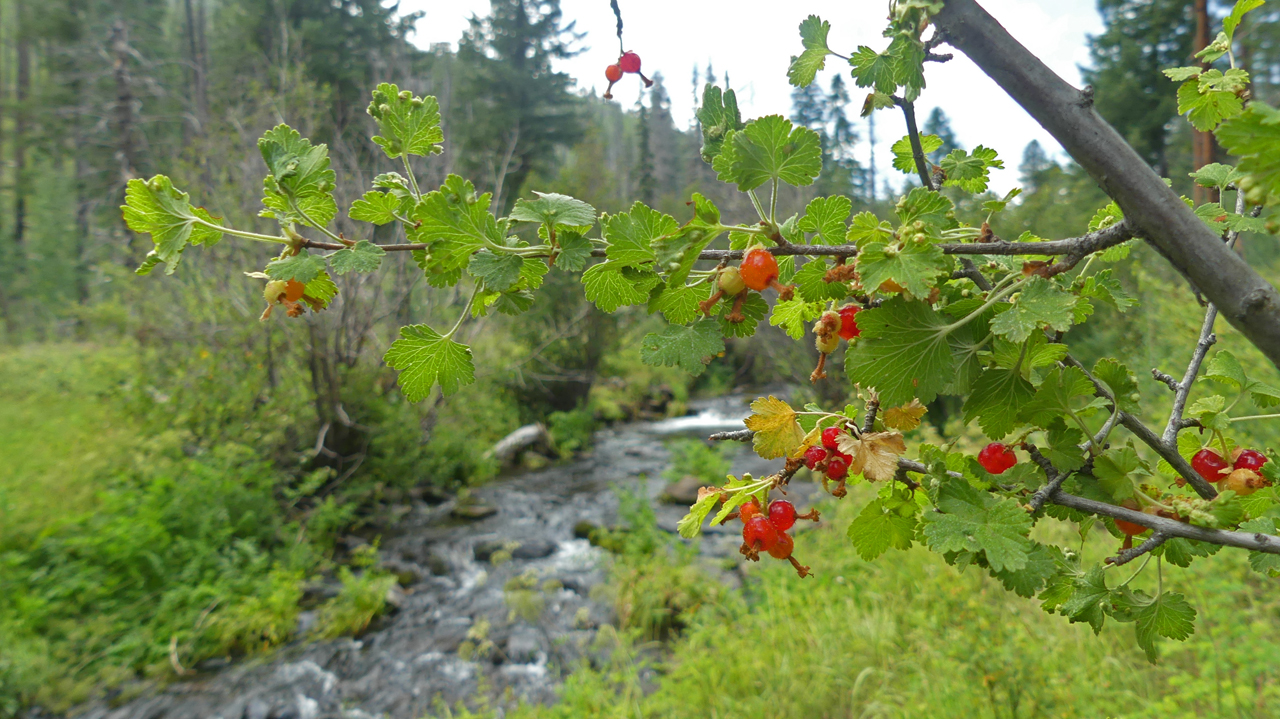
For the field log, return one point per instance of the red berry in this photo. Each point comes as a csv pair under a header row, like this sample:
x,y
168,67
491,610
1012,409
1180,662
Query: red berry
x,y
1129,528
295,289
629,62
813,455
1250,459
759,534
997,458
758,268
838,466
1210,465
829,437
749,509
848,323
782,548
613,73
782,514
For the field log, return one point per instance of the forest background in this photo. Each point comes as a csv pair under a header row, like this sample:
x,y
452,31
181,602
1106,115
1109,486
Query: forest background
x,y
162,451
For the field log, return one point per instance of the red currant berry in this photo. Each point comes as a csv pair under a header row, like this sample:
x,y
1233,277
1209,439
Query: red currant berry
x,y
838,466
997,458
613,73
1250,459
1126,527
759,534
758,268
1210,465
629,62
848,323
782,514
1243,482
813,455
749,509
829,437
782,548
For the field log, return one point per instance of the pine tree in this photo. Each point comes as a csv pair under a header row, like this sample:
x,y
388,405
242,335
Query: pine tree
x,y
1035,161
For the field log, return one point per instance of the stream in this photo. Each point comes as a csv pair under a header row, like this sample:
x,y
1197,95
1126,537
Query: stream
x,y
410,660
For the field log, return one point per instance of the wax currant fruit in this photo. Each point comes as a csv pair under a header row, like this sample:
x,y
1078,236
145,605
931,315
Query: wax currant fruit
x,y
1250,459
838,466
629,62
1129,528
274,291
782,515
730,281
759,268
782,547
613,73
758,534
996,458
830,438
826,344
749,509
1242,482
848,323
814,455
1210,465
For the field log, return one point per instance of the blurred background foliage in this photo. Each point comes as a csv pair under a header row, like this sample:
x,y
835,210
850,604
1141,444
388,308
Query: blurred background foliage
x,y
174,472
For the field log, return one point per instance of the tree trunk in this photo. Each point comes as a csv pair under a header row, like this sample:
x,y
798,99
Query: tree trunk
x,y
22,90
1202,143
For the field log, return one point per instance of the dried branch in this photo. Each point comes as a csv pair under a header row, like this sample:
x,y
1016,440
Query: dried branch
x,y
1183,388
873,406
1167,379
1128,555
738,435
1245,299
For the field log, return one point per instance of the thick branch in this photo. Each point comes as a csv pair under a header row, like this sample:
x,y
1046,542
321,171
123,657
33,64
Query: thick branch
x,y
1245,299
1075,248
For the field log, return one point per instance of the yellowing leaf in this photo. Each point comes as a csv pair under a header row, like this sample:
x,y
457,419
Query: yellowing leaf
x,y
813,439
906,418
875,455
776,428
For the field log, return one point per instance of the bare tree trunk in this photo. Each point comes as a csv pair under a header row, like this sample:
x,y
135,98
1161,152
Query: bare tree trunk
x,y
1202,143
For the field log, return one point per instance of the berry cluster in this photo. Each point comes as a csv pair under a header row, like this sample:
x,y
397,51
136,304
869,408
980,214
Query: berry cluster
x,y
758,271
829,460
628,62
830,328
1242,476
767,531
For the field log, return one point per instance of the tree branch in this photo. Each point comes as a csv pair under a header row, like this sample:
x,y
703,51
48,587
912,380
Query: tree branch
x,y
913,134
1075,248
737,435
1183,388
1245,299
1128,555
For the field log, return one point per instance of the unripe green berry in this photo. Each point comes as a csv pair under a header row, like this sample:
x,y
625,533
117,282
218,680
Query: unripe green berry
x,y
826,344
730,282
405,95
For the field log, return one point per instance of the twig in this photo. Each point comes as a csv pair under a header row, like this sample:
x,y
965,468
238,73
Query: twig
x,y
869,422
1075,248
913,134
737,435
1056,478
1169,381
1128,555
1207,339
972,273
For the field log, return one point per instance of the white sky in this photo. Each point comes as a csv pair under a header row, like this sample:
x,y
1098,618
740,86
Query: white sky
x,y
754,40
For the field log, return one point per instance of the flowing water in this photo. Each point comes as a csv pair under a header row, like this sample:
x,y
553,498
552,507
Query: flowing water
x,y
455,632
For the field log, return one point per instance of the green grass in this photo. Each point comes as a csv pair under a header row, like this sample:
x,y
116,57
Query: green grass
x,y
910,636
56,432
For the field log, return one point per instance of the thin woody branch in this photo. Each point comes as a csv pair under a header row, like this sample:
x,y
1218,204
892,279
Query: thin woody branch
x,y
1128,555
913,135
1183,388
1075,248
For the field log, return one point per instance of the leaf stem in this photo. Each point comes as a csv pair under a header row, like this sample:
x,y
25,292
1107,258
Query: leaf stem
x,y
465,309
1254,416
413,181
995,297
773,203
246,235
1133,576
755,202
302,213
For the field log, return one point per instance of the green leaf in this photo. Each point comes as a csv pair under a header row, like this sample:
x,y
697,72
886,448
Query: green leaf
x,y
996,400
793,315
915,266
157,208
1206,108
1104,287
691,348
972,520
1040,352
1122,383
904,160
679,304
770,148
456,223
1088,597
300,181
554,210
1254,137
994,206
1182,74
409,125
903,352
610,285
1041,303
871,69
1263,562
1063,449
1042,563
811,285
677,253
719,117
426,358
1168,615
631,234
1216,175
574,251
303,268
884,524
379,208
753,310
690,525
320,291
497,270
1061,385
970,172
825,218
363,256
924,205
1113,468
813,35
1232,20
867,228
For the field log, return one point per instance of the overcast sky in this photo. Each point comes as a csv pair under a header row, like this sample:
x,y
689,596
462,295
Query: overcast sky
x,y
753,42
